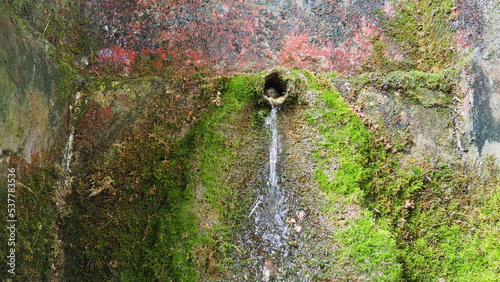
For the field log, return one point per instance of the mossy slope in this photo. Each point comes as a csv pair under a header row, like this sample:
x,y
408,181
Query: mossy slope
x,y
162,199
421,217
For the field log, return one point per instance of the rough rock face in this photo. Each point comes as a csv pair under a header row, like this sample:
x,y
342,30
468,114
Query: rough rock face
x,y
429,130
481,109
316,35
214,37
237,35
28,116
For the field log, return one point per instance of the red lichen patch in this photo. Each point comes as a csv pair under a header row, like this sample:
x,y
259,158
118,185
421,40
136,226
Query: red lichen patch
x,y
463,43
469,24
368,27
298,52
233,36
119,57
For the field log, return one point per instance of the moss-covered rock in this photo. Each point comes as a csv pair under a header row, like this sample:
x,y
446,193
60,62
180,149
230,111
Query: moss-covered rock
x,y
417,34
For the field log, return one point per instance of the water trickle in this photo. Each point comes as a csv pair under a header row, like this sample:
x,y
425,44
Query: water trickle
x,y
65,181
271,121
270,218
68,152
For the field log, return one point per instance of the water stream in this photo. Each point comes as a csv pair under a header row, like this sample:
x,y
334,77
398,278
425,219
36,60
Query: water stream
x,y
65,183
270,218
271,229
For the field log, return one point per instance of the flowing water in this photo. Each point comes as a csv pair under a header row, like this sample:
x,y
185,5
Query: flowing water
x,y
270,218
273,246
268,243
68,152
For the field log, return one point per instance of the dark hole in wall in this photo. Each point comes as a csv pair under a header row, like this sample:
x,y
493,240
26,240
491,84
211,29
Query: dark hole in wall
x,y
274,86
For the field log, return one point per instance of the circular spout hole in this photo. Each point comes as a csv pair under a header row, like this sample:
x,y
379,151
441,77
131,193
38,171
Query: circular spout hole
x,y
275,90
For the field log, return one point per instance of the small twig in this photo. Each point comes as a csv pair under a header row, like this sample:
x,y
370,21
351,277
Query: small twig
x,y
258,202
47,25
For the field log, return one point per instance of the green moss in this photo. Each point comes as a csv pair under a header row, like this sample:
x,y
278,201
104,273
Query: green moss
x,y
436,219
36,223
434,209
421,32
153,221
347,157
348,140
427,89
372,248
223,161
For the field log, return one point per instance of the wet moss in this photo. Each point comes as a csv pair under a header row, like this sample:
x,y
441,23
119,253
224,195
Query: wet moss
x,y
222,168
35,229
424,219
424,34
426,89
144,198
347,158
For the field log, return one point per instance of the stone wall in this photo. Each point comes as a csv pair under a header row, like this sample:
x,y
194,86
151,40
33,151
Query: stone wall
x,y
29,116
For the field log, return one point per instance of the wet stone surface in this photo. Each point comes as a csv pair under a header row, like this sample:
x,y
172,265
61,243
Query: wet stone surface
x,y
240,35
